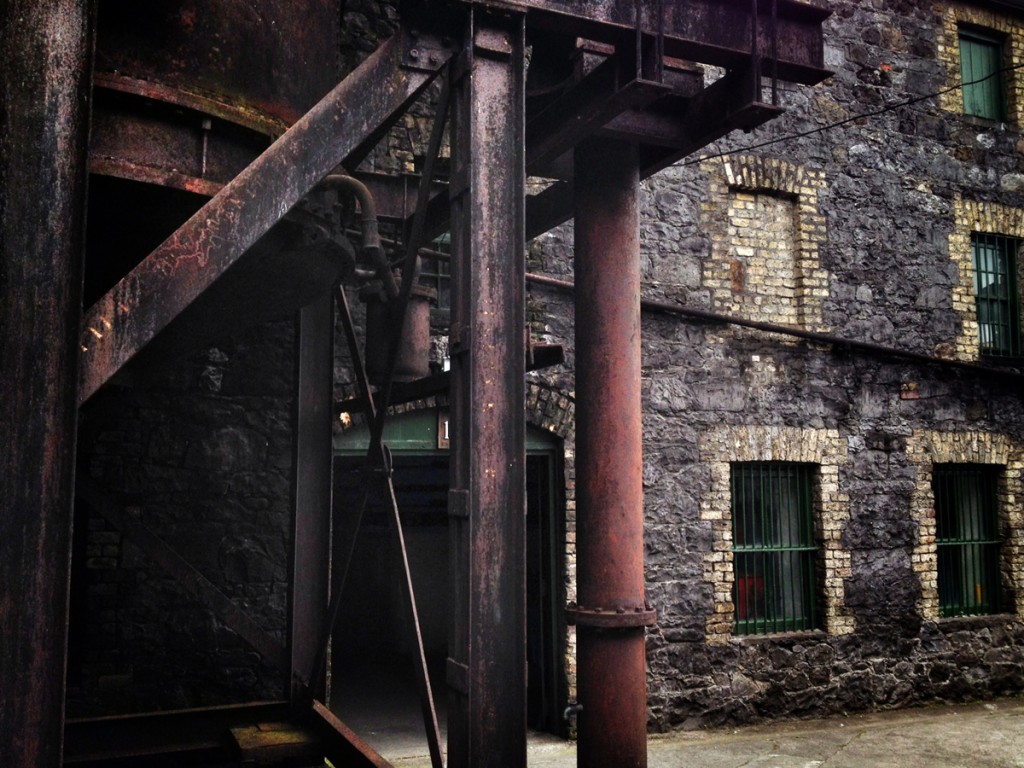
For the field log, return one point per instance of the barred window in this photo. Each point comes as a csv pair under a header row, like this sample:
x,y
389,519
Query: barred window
x,y
967,538
775,552
996,293
981,73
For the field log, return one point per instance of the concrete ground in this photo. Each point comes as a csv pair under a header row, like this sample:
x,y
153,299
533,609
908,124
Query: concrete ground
x,y
988,735
381,705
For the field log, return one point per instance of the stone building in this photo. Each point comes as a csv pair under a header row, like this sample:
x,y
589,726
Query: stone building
x,y
833,421
881,212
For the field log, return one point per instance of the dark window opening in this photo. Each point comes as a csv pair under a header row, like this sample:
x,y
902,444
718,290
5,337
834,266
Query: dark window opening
x,y
996,294
775,555
967,538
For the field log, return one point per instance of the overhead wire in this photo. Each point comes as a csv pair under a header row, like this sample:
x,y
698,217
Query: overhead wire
x,y
850,119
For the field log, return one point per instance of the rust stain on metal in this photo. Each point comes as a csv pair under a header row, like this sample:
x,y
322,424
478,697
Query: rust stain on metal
x,y
195,256
44,126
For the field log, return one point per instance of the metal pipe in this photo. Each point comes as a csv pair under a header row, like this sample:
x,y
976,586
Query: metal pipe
x,y
610,618
666,307
47,51
368,226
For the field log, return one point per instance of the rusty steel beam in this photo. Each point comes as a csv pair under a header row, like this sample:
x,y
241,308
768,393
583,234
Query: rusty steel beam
x,y
612,612
486,668
340,128
598,98
340,743
47,53
717,32
310,555
182,734
671,128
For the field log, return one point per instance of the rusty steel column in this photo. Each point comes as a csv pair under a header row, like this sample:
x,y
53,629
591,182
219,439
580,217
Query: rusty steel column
x,y
46,49
486,668
310,556
611,612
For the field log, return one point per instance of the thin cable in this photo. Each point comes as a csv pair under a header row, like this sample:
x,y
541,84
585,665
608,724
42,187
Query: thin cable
x,y
852,118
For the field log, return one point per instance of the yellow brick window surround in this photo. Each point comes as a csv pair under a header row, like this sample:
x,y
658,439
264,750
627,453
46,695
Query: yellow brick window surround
x,y
766,230
971,218
978,17
928,448
822,448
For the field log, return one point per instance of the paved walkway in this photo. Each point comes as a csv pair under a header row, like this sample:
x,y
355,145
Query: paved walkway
x,y
987,735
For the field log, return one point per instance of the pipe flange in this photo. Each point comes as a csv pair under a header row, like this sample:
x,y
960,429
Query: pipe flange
x,y
624,617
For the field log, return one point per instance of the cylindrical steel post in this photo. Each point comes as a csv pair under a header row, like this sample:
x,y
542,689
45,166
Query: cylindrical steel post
x,y
46,50
611,671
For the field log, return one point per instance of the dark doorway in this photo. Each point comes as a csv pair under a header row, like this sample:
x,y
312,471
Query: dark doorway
x,y
373,631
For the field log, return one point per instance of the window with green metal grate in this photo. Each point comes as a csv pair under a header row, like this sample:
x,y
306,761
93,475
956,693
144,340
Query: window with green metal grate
x,y
775,554
967,538
997,295
981,73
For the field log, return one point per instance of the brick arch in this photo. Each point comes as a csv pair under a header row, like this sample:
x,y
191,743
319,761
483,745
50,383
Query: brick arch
x,y
551,409
752,173
546,407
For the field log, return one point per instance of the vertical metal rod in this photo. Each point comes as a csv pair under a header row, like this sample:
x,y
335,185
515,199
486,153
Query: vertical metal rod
x,y
639,41
422,675
378,458
775,53
311,521
611,670
340,569
414,236
487,640
46,49
755,49
660,44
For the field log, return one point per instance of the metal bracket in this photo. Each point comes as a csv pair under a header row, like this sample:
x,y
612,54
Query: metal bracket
x,y
496,43
624,617
425,51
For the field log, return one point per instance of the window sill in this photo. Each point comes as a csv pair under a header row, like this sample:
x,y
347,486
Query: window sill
x,y
958,623
780,637
987,123
1001,361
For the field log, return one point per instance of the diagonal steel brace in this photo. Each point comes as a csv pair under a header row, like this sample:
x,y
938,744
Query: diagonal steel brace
x,y
167,281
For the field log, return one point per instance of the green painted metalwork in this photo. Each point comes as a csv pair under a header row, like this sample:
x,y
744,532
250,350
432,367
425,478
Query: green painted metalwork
x,y
967,538
417,431
981,65
997,294
774,548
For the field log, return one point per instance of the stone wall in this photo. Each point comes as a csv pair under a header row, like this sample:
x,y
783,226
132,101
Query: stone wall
x,y
880,181
199,452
